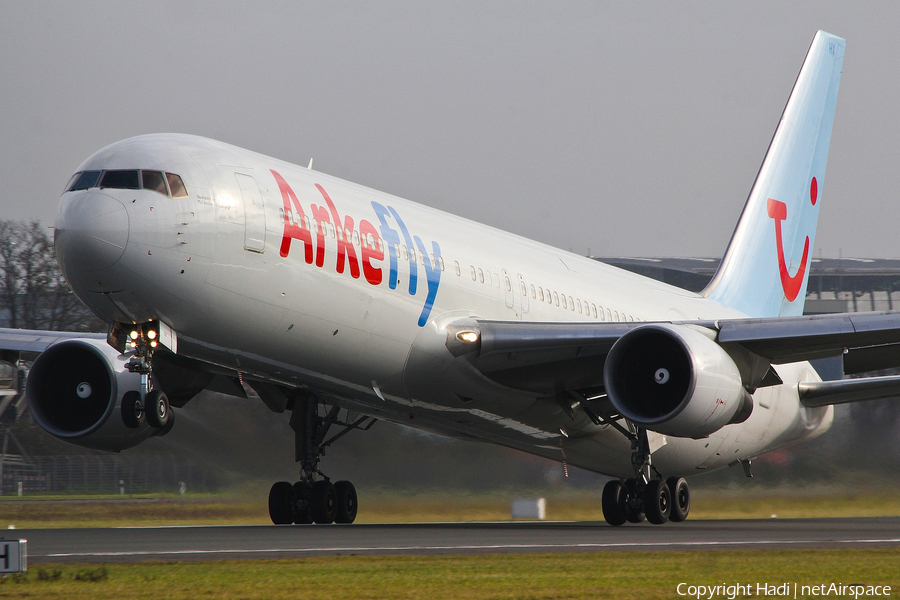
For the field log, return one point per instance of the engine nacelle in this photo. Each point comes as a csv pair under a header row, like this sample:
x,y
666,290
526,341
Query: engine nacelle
x,y
675,381
75,390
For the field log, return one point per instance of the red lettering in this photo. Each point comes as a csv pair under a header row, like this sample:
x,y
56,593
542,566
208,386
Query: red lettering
x,y
344,238
370,251
320,214
294,229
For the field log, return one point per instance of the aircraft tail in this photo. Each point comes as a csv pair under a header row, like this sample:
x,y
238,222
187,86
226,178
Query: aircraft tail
x,y
766,266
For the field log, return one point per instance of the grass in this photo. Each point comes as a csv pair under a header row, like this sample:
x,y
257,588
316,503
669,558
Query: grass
x,y
382,507
523,576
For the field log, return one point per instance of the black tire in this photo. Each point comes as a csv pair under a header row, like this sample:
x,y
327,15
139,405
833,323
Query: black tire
x,y
132,410
613,501
156,408
170,423
634,512
657,502
345,496
302,492
280,503
681,499
323,503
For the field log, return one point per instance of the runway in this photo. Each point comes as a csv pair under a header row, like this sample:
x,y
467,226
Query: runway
x,y
124,545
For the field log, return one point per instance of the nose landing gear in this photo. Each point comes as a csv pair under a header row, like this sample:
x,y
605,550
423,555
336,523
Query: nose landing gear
x,y
314,499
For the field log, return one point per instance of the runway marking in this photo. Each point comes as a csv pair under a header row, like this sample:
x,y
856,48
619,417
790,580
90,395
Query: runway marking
x,y
466,547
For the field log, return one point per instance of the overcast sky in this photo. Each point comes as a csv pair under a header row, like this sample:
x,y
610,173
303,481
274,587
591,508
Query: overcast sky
x,y
632,129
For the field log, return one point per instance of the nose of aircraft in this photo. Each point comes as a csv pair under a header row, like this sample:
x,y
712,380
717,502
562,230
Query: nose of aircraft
x,y
91,232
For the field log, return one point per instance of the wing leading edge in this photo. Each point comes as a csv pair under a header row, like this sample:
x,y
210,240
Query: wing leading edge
x,y
555,357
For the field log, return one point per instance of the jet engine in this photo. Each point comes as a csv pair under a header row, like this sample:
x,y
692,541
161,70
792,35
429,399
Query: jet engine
x,y
79,389
676,381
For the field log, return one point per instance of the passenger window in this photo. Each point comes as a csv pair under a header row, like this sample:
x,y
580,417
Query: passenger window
x,y
474,275
176,185
565,304
441,262
541,290
594,309
549,299
480,275
356,237
508,284
405,252
556,298
615,315
120,180
522,289
456,268
154,181
608,315
571,304
578,302
533,293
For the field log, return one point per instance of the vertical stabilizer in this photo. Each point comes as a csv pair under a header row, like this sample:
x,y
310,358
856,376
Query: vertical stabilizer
x,y
766,266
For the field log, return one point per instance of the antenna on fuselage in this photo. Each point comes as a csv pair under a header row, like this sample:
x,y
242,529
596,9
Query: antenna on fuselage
x,y
310,164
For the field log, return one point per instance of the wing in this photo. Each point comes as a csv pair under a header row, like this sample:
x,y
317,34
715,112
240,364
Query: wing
x,y
550,358
28,340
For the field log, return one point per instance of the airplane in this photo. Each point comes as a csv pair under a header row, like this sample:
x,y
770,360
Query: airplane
x,y
218,268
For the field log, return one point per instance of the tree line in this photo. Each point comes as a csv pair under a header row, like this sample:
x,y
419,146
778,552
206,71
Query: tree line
x,y
33,292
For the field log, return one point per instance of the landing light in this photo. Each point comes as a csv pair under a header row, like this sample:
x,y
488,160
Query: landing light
x,y
134,335
153,344
469,337
151,334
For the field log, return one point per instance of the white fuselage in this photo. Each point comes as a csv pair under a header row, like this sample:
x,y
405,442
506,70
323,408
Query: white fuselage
x,y
352,313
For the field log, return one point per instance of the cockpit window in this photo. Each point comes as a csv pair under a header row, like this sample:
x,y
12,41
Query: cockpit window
x,y
153,180
126,180
176,185
84,180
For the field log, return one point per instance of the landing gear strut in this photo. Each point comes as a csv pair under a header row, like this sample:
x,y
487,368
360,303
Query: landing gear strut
x,y
147,404
314,499
646,495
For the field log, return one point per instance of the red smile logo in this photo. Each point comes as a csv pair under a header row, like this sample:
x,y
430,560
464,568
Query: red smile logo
x,y
778,211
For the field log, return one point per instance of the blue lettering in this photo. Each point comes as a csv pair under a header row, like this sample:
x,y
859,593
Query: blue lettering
x,y
413,269
391,240
433,275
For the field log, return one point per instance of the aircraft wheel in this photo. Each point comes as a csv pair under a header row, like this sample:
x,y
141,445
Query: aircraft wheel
x,y
280,497
156,408
633,506
132,410
302,492
681,498
657,502
323,503
346,502
613,501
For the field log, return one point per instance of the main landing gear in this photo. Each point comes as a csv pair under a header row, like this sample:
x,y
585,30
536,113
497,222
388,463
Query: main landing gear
x,y
646,495
314,499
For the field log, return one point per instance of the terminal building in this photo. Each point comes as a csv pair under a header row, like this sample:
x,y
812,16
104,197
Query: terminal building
x,y
835,284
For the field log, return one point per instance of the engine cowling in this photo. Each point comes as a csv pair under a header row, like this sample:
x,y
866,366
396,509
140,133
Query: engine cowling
x,y
75,390
676,381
